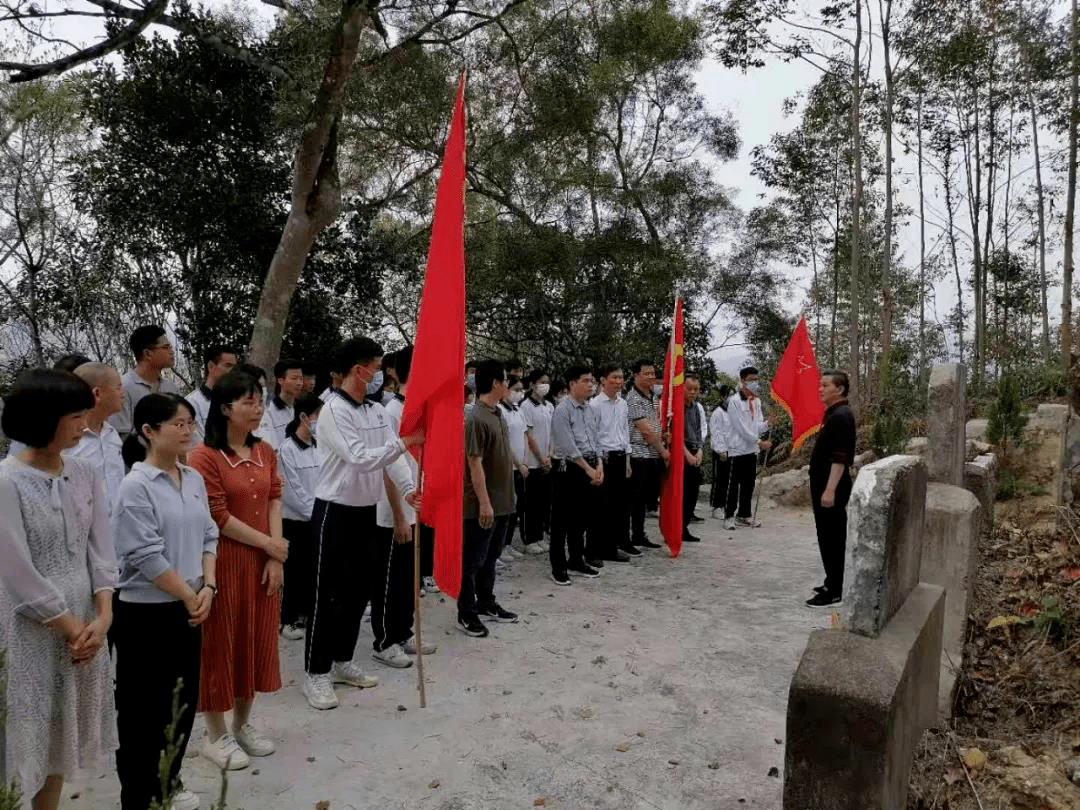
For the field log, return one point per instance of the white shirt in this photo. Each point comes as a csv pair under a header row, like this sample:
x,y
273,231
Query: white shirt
x,y
538,421
718,430
199,399
356,442
746,420
298,464
275,419
102,452
384,514
614,426
515,428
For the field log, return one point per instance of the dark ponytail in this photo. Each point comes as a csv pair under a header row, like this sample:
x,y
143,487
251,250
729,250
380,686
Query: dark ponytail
x,y
153,410
307,404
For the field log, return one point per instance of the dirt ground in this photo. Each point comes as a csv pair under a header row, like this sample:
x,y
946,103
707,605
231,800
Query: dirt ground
x,y
662,685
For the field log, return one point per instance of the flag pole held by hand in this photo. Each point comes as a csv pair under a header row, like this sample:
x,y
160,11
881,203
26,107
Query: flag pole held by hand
x,y
419,620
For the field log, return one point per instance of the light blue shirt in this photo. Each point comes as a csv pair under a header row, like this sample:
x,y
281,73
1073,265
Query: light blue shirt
x,y
158,527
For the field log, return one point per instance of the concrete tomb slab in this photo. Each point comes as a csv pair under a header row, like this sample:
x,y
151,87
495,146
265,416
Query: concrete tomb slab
x,y
946,429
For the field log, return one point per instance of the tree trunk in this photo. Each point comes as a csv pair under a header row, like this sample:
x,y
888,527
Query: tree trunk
x,y
952,247
1070,198
1041,211
884,370
856,208
316,198
922,243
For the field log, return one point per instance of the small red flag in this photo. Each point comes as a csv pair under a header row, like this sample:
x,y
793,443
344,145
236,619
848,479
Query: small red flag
x,y
795,386
434,401
672,418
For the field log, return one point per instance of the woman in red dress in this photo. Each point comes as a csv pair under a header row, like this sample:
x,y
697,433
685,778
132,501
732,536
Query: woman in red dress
x,y
239,645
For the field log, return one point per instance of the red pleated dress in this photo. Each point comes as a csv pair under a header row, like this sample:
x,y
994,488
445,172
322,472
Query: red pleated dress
x,y
240,636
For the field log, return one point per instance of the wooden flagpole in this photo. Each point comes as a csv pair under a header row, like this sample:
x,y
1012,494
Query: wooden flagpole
x,y
419,619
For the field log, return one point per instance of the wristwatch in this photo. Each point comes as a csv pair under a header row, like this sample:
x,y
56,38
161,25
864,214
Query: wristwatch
x,y
211,587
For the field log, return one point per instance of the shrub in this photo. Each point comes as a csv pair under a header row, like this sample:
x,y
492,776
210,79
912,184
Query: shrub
x,y
1005,417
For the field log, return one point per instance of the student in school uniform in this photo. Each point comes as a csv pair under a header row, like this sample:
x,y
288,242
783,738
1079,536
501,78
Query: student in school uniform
x,y
166,545
298,461
218,360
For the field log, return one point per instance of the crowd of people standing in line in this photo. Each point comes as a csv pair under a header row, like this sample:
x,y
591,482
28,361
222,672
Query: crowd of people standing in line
x,y
187,534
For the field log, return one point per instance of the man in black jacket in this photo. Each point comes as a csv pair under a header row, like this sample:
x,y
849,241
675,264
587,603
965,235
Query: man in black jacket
x,y
830,484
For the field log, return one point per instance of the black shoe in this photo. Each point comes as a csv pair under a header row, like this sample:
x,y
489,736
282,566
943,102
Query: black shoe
x,y
630,551
645,542
596,563
497,614
560,577
619,556
821,589
472,626
689,538
585,570
825,599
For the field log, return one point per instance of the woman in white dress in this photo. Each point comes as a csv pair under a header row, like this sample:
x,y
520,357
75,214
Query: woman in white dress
x,y
57,575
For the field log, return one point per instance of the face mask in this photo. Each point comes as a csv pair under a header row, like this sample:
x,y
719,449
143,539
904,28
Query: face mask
x,y
471,381
560,397
312,426
516,397
657,390
542,390
753,386
375,384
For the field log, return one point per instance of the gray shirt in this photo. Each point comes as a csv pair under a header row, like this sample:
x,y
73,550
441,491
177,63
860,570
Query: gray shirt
x,y
158,527
575,429
135,388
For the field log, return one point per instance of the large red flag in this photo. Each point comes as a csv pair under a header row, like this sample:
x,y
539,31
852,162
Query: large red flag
x,y
795,386
434,401
672,417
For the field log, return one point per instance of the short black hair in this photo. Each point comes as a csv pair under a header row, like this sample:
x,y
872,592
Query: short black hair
x,y
255,371
70,362
515,363
638,365
38,401
609,368
576,372
725,390
512,380
236,384
839,379
746,372
285,365
153,410
389,360
403,363
488,372
354,352
307,404
535,375
215,350
143,338
691,375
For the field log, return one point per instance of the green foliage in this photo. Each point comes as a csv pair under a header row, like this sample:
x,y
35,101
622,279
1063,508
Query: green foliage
x,y
1052,621
1005,417
1010,485
889,434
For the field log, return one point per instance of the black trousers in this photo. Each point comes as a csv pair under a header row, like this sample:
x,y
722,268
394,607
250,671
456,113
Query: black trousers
x,y
574,514
644,489
427,551
538,504
517,517
480,549
297,597
741,492
691,488
392,590
344,563
721,482
156,648
831,525
615,505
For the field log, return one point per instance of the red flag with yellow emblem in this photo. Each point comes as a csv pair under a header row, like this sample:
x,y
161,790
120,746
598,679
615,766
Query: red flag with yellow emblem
x,y
672,418
795,386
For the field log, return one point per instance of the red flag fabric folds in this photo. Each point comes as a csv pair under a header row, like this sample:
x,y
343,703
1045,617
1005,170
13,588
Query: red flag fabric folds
x,y
434,401
795,386
672,418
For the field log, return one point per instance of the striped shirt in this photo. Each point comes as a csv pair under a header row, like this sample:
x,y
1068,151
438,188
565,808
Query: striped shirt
x,y
640,406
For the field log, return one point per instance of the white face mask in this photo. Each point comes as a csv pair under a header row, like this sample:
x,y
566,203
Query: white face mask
x,y
516,397
753,386
542,389
312,426
375,384
657,390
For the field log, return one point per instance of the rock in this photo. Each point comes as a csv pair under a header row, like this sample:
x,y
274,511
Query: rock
x,y
976,429
1072,767
916,446
791,488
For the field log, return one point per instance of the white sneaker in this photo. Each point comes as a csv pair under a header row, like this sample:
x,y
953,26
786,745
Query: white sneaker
x,y
349,672
225,753
319,692
545,546
410,646
429,585
184,800
292,632
518,546
393,656
514,553
506,557
533,548
729,524
254,742
500,565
